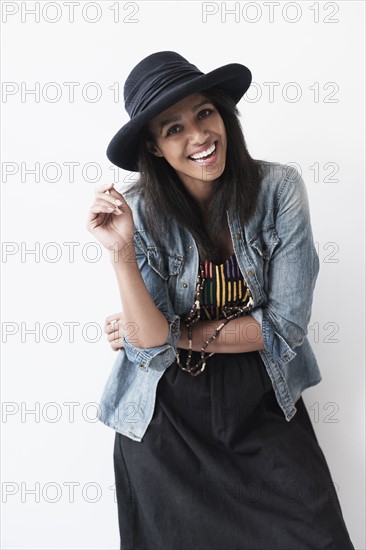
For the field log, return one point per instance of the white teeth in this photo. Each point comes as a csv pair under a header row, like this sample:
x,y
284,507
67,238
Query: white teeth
x,y
204,153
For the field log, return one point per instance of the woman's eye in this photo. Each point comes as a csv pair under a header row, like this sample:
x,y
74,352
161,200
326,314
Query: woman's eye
x,y
170,129
209,111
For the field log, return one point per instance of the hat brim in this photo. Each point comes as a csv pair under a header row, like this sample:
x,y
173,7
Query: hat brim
x,y
234,79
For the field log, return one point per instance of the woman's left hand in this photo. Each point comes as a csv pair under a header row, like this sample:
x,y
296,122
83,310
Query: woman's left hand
x,y
113,327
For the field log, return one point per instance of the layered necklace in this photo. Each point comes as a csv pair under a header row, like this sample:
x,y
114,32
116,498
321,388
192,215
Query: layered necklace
x,y
229,312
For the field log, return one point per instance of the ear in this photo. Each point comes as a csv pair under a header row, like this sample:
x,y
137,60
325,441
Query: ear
x,y
153,148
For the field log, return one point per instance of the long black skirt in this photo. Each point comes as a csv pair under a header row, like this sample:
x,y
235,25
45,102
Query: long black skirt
x,y
220,468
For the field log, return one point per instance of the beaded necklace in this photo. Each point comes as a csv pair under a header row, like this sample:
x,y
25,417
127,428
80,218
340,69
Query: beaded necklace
x,y
229,312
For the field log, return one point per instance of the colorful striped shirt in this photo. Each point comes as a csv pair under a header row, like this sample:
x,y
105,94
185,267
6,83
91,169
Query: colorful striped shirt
x,y
224,285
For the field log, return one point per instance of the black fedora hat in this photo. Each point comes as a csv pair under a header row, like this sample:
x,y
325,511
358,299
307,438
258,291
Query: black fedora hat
x,y
158,82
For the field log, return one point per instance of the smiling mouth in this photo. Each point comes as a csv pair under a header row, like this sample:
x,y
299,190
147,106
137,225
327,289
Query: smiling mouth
x,y
202,159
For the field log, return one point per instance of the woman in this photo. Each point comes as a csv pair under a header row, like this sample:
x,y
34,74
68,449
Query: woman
x,y
216,267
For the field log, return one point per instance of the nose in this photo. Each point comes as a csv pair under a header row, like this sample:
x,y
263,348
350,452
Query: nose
x,y
197,134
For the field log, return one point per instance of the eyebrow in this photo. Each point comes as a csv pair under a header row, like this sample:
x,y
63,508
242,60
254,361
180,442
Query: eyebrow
x,y
178,117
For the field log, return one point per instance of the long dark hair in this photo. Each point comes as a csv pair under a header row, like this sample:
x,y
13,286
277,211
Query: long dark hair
x,y
165,197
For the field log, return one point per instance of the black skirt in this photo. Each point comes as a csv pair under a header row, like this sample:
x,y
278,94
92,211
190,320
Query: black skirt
x,y
220,468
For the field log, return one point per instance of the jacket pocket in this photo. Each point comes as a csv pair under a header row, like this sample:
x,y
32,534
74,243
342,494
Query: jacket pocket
x,y
164,262
265,241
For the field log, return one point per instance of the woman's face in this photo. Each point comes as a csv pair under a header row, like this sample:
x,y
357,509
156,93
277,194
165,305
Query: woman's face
x,y
191,126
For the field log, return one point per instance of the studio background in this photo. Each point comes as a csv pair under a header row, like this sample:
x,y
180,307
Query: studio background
x,y
305,107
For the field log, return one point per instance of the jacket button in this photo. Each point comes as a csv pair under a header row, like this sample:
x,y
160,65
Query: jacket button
x,y
190,247
250,273
142,366
285,356
185,285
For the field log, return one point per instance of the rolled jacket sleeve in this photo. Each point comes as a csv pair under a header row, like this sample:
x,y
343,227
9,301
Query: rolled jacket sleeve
x,y
292,273
158,289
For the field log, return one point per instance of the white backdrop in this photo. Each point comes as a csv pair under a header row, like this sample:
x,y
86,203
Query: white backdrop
x,y
306,106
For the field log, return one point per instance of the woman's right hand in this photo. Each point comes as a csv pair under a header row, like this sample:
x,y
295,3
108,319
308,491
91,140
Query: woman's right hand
x,y
111,222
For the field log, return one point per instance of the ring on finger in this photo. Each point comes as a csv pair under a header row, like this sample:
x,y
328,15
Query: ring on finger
x,y
112,323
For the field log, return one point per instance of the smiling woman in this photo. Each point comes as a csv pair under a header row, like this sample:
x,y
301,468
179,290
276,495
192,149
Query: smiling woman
x,y
197,194
198,141
216,268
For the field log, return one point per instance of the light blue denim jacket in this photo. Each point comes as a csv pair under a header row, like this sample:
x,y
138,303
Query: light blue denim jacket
x,y
277,257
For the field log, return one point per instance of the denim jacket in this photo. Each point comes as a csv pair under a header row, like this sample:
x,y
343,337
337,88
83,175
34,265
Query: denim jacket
x,y
277,257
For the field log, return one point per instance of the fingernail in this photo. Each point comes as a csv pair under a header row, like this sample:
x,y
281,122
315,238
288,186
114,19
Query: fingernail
x,y
118,210
118,202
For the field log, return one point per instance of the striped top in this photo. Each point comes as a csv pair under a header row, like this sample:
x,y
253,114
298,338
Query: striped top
x,y
224,285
